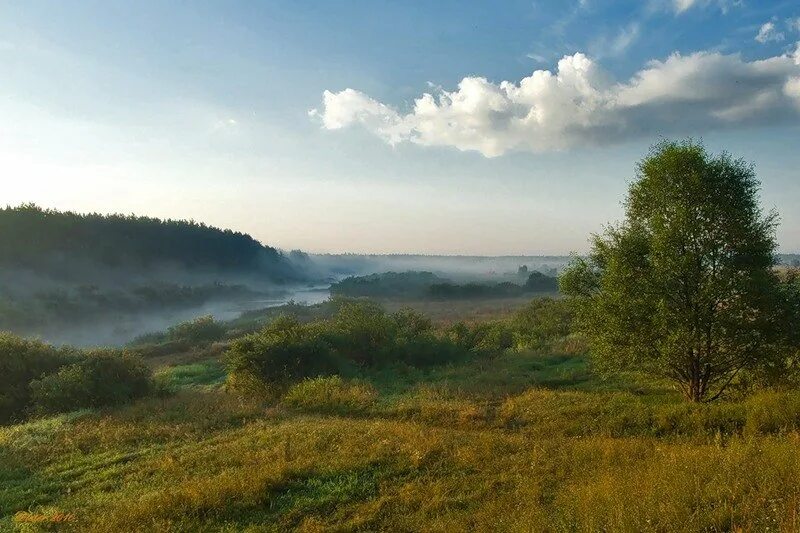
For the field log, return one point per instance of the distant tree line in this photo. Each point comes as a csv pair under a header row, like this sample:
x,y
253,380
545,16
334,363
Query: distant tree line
x,y
35,238
428,285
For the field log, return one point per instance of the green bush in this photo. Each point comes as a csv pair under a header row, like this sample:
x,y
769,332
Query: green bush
x,y
416,343
362,332
541,322
331,394
485,338
492,338
100,379
359,334
201,330
283,352
21,361
183,337
772,412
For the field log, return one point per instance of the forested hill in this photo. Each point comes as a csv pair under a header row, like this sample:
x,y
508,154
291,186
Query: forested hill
x,y
37,240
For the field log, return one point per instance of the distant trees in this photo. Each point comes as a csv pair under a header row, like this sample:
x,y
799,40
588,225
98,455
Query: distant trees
x,y
41,239
685,288
414,284
411,283
538,282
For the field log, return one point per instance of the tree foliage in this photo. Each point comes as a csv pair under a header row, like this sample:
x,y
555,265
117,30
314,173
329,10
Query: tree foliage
x,y
40,378
685,287
22,361
44,239
100,379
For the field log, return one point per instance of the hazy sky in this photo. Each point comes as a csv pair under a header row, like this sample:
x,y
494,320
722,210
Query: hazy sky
x,y
435,127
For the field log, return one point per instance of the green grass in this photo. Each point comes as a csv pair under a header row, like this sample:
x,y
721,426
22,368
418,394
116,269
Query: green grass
x,y
521,442
208,373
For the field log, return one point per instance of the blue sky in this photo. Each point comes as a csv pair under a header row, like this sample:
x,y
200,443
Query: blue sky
x,y
306,125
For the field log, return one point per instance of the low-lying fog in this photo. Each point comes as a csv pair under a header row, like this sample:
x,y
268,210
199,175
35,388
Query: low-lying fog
x,y
112,309
121,328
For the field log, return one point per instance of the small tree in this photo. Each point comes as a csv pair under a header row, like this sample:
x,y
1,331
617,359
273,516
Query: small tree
x,y
684,288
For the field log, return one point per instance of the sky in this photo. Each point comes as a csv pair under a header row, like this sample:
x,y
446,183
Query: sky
x,y
467,128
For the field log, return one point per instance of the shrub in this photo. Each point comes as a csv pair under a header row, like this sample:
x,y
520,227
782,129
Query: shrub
x,y
22,361
486,338
541,322
492,338
362,332
461,335
772,412
573,344
101,379
331,394
282,352
410,323
201,330
415,341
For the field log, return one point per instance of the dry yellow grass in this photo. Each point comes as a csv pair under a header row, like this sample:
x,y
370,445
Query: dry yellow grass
x,y
436,456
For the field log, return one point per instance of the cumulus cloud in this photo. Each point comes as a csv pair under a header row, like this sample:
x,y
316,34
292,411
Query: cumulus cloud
x,y
580,104
767,32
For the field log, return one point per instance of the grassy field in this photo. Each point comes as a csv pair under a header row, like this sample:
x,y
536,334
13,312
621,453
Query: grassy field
x,y
518,442
470,311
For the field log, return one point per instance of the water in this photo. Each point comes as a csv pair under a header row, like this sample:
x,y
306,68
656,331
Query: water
x,y
119,329
304,296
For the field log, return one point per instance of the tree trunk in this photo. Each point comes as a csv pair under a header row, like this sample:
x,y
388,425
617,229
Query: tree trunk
x,y
695,390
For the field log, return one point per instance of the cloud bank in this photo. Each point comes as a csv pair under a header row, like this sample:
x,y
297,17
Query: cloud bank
x,y
579,104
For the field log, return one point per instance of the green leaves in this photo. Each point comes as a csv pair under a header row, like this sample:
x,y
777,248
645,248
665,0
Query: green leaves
x,y
684,287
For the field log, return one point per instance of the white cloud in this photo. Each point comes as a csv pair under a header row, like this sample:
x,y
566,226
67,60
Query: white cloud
x,y
616,46
768,33
625,38
579,104
681,6
536,57
794,24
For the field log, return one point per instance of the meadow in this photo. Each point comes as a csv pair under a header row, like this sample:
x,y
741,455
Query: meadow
x,y
525,440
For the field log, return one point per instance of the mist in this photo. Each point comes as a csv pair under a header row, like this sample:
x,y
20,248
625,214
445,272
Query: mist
x,y
458,267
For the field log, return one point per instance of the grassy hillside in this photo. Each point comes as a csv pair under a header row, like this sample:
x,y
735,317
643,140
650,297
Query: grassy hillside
x,y
529,443
528,440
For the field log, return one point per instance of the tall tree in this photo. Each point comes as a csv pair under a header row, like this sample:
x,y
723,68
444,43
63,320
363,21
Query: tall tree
x,y
685,287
